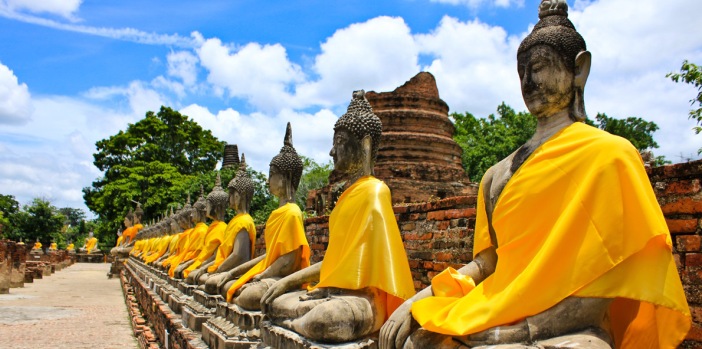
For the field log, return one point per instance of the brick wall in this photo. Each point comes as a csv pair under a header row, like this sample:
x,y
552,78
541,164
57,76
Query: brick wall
x,y
679,193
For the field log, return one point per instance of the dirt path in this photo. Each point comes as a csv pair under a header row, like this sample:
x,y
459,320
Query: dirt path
x,y
77,307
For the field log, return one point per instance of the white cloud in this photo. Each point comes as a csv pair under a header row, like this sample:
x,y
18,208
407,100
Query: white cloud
x,y
474,65
378,54
474,4
260,136
183,65
140,97
15,100
63,8
262,74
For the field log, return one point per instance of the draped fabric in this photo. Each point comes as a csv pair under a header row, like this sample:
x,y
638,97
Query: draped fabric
x,y
365,247
37,245
178,249
91,244
242,221
284,233
191,248
119,240
130,233
213,238
578,218
70,247
160,250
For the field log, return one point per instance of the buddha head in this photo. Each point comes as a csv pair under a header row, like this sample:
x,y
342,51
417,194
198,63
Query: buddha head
x,y
184,215
129,219
285,170
241,189
138,213
174,226
217,199
356,138
553,64
199,211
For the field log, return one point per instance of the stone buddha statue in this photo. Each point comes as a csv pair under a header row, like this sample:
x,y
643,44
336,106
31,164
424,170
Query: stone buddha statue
x,y
216,206
36,248
180,228
570,246
365,274
91,244
195,240
71,248
169,232
287,249
237,246
53,247
161,240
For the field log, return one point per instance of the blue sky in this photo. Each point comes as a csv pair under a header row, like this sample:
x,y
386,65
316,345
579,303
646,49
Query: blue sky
x,y
76,71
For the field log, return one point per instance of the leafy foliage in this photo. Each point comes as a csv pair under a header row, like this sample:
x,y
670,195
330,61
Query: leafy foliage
x,y
486,141
40,220
314,176
155,162
691,73
637,130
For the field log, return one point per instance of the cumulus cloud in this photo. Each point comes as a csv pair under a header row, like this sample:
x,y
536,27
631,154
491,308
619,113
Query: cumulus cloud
x,y
15,100
63,8
260,135
474,4
139,96
183,65
474,65
379,54
261,74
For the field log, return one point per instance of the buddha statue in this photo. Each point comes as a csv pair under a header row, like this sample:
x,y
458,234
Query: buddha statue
x,y
365,274
183,229
237,246
570,245
287,249
195,240
36,248
71,248
216,206
91,244
53,247
168,231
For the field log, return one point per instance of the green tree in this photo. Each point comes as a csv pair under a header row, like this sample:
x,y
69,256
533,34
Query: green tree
x,y
637,130
41,220
485,141
314,176
691,73
154,162
9,207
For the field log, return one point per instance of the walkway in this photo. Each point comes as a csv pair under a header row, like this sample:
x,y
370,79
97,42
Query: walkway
x,y
77,307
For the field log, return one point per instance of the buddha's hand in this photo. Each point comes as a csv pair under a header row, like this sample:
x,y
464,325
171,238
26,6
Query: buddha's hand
x,y
274,291
517,333
395,331
317,293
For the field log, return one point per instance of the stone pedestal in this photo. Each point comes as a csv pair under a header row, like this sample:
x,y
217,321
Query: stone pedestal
x,y
281,338
195,314
90,258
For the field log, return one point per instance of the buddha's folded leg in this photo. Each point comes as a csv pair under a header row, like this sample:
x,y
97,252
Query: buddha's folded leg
x,y
249,296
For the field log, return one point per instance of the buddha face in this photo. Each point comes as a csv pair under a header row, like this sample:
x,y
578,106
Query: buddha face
x,y
234,200
174,226
546,81
346,152
276,182
127,222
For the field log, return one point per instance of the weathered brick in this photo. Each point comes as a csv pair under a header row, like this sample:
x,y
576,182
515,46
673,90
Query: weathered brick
x,y
417,236
683,206
443,225
443,256
693,259
683,187
682,225
695,333
436,215
407,226
688,243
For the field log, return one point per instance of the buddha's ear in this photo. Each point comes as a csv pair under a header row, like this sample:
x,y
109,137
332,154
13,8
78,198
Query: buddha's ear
x,y
582,68
367,145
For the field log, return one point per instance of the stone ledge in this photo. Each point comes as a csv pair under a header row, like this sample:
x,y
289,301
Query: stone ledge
x,y
280,338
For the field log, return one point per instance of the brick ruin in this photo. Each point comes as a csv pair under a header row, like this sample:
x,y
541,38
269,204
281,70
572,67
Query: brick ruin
x,y
18,266
417,158
439,234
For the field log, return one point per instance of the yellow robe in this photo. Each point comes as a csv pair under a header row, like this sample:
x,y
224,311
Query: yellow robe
x,y
284,233
90,245
212,240
160,250
130,233
365,246
119,240
239,222
177,245
53,246
70,247
192,247
578,218
37,245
